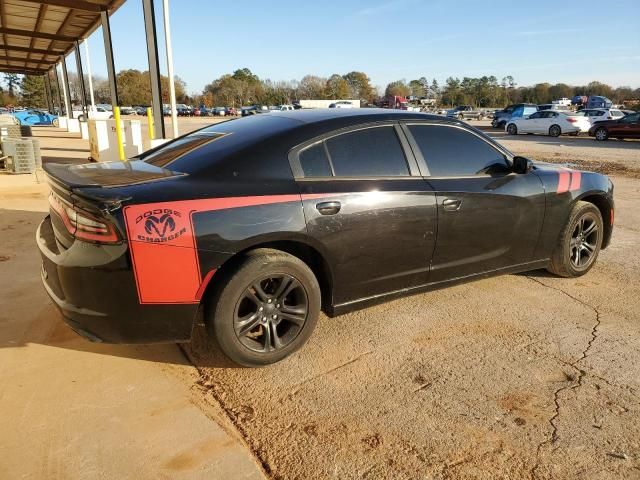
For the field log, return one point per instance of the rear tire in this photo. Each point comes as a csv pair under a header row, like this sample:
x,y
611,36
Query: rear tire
x,y
512,129
251,320
555,130
579,242
601,134
55,122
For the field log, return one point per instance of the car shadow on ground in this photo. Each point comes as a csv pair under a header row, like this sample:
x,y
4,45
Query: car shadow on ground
x,y
28,315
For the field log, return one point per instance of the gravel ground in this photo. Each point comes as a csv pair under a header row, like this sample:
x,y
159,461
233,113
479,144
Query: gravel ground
x,y
613,157
520,376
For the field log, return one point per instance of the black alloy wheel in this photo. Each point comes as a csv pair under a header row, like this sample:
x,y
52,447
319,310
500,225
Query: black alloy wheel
x,y
584,241
263,307
579,242
271,313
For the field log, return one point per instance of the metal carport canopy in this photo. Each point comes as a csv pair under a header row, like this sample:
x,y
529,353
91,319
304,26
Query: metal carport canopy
x,y
34,34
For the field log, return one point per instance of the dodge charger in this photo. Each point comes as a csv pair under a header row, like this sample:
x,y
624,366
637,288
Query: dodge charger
x,y
254,226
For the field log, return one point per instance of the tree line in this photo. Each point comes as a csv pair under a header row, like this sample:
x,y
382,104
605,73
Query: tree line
x,y
243,87
133,89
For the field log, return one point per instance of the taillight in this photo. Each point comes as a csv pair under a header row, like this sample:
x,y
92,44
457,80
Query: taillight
x,y
611,217
83,225
572,120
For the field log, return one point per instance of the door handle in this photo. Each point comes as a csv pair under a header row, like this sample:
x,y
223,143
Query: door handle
x,y
452,204
328,208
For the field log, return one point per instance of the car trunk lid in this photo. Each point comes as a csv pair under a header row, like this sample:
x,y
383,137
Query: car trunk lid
x,y
85,196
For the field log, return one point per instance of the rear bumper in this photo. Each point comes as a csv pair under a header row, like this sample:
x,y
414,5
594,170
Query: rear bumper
x,y
93,286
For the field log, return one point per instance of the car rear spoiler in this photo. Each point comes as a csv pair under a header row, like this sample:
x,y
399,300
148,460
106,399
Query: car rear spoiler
x,y
97,181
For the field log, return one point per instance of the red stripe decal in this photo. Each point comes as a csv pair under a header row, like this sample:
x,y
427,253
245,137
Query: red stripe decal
x,y
563,182
163,245
204,284
575,181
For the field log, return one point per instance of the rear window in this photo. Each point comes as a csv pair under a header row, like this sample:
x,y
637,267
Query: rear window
x,y
371,152
314,161
209,146
174,150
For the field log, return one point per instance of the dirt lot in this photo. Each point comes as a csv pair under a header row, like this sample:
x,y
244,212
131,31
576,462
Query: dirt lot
x,y
522,376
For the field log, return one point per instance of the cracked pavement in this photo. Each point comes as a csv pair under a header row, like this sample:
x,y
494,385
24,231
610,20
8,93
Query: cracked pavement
x,y
520,376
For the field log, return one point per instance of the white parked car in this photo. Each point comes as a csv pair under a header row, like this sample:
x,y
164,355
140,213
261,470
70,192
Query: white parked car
x,y
600,114
549,122
281,108
99,113
341,104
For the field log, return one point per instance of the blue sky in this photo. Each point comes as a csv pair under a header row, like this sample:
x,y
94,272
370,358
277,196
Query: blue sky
x,y
535,41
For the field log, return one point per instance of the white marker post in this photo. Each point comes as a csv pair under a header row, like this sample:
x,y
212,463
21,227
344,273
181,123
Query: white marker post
x,y
172,86
86,51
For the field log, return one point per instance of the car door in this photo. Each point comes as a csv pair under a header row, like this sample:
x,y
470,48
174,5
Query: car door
x,y
489,218
367,209
530,124
628,126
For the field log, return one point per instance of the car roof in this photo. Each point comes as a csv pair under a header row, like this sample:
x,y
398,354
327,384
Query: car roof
x,y
269,136
358,115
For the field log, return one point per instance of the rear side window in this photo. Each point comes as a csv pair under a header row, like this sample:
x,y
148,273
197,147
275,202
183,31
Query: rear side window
x,y
314,161
371,152
451,151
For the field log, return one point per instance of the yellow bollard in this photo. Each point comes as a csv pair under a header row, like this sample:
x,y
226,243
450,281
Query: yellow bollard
x,y
150,124
116,117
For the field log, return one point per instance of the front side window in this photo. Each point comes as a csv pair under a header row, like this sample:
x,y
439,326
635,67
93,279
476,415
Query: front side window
x,y
631,118
535,115
451,151
371,152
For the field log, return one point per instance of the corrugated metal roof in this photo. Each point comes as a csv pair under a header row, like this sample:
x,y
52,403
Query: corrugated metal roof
x,y
35,33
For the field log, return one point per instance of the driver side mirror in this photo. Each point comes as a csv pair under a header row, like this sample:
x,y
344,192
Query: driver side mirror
x,y
522,165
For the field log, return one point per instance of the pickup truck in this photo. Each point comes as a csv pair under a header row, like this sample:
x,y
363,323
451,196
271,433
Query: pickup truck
x,y
465,112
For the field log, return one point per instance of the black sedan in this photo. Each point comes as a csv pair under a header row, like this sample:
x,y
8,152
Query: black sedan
x,y
256,225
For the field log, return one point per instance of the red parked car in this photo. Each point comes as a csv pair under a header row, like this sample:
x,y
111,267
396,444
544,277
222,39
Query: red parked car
x,y
624,127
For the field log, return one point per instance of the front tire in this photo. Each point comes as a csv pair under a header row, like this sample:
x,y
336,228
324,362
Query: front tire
x,y
55,122
555,130
512,129
579,242
601,134
265,309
